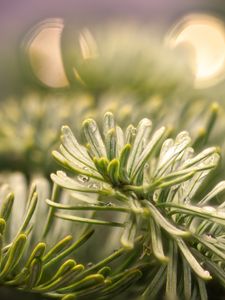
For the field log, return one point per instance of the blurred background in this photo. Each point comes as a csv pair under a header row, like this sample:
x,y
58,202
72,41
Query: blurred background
x,y
19,17
62,61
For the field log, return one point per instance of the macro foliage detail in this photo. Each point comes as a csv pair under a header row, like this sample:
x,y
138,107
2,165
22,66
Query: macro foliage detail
x,y
39,259
153,186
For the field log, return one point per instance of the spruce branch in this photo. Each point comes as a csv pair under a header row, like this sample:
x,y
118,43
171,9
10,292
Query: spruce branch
x,y
154,181
40,261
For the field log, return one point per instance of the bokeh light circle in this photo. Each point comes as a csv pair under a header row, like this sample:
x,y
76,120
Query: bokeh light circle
x,y
203,37
43,52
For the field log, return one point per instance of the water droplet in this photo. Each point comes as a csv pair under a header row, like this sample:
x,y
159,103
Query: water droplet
x,y
90,264
86,168
209,208
82,178
209,237
94,185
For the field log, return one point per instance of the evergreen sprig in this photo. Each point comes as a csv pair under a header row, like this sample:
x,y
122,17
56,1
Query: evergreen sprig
x,y
154,181
37,256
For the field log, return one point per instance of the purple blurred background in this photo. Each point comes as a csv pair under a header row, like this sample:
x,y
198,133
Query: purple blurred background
x,y
17,17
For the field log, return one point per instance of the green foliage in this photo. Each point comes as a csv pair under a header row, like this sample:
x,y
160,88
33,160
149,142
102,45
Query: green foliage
x,y
154,182
143,187
37,123
37,256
